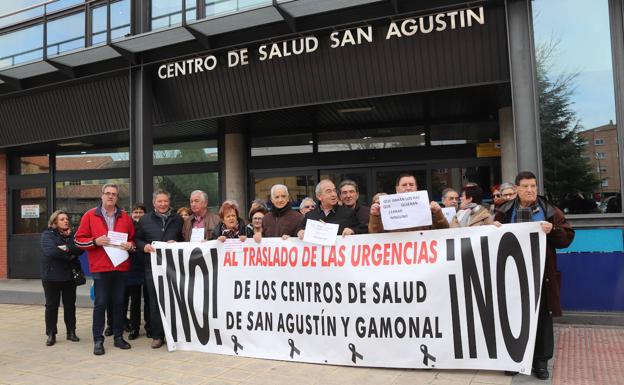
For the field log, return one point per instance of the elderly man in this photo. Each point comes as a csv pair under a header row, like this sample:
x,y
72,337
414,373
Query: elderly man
x,y
282,221
330,211
349,195
450,198
307,204
109,281
406,182
202,217
530,207
164,225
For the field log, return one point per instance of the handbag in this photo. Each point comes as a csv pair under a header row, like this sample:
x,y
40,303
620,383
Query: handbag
x,y
78,276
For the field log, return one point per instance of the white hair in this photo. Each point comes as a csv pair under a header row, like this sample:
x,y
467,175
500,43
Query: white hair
x,y
276,186
204,195
317,190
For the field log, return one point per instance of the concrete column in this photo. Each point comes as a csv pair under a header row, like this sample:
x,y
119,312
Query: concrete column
x,y
141,146
236,162
524,87
509,166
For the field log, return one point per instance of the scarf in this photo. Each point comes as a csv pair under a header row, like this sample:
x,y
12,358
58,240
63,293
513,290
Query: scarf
x,y
230,233
164,216
464,215
525,214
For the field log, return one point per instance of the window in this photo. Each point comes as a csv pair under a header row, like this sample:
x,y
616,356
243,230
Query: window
x,y
371,139
93,160
120,22
21,46
187,152
281,145
31,211
12,6
575,82
62,4
166,13
217,7
181,186
30,165
66,34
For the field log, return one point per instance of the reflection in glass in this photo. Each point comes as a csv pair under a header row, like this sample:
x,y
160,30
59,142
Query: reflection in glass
x,y
371,139
457,177
361,178
62,4
66,34
30,165
299,187
217,7
21,46
120,21
93,160
30,208
577,105
463,133
78,196
98,25
188,152
15,5
281,145
166,13
181,186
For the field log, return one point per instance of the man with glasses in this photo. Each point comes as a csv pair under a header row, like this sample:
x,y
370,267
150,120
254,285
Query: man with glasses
x,y
109,280
450,198
307,204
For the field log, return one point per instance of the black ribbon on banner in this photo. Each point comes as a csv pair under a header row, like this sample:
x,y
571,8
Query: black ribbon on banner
x,y
426,355
354,354
236,344
293,349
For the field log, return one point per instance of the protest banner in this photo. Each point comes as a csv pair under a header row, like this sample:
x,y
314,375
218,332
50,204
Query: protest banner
x,y
461,298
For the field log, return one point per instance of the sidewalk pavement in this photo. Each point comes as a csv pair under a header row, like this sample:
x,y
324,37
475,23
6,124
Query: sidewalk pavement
x,y
584,355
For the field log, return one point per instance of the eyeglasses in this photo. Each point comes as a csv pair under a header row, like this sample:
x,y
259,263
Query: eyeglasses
x,y
256,218
309,207
509,195
496,195
112,194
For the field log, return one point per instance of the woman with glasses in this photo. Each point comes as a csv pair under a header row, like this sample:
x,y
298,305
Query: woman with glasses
x,y
60,256
508,191
256,215
306,205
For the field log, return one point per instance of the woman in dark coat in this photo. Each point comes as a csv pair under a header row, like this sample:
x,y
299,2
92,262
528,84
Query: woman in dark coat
x,y
59,257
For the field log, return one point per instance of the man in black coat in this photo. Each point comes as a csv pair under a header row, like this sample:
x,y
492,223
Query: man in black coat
x,y
163,225
329,211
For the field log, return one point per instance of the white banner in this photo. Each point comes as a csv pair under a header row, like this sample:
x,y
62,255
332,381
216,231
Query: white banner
x,y
458,298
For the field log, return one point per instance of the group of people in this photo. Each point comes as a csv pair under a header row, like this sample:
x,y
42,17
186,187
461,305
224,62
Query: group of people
x,y
512,203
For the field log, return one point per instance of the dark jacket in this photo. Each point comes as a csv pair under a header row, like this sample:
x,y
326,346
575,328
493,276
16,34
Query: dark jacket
x,y
342,216
561,236
362,212
278,222
136,275
56,264
220,230
152,228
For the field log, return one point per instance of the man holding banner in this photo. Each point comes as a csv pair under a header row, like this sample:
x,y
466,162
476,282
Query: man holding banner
x,y
405,183
529,207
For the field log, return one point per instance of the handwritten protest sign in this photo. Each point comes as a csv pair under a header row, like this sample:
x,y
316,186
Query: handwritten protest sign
x,y
405,210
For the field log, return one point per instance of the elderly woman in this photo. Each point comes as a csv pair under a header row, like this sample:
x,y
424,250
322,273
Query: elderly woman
x,y
231,225
307,204
59,257
508,191
256,215
471,212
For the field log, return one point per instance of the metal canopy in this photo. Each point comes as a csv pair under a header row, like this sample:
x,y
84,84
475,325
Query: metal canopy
x,y
237,21
28,70
86,56
155,39
309,7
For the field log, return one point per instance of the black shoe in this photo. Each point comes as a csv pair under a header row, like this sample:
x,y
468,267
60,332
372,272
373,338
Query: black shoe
x,y
540,370
148,333
121,343
108,331
71,336
133,335
51,340
510,373
98,348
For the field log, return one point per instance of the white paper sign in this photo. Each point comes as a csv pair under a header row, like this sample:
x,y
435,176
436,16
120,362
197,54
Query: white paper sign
x,y
116,238
233,244
460,298
405,210
197,234
320,233
116,255
449,213
30,211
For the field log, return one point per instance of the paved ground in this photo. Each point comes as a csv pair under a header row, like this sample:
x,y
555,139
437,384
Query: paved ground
x,y
584,355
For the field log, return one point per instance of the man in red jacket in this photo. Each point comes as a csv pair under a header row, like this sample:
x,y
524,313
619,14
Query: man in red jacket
x,y
109,279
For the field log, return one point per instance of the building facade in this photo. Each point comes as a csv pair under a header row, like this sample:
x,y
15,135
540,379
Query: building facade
x,y
233,96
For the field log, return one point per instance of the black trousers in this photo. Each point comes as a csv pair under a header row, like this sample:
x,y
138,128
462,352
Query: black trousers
x,y
53,292
109,287
133,299
154,309
545,337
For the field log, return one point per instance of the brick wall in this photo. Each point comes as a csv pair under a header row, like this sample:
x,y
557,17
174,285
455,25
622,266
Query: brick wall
x,y
3,217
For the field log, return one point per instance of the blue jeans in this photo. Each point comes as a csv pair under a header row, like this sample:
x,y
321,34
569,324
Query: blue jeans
x,y
109,287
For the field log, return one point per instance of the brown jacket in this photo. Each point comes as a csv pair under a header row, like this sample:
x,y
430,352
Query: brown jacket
x,y
376,226
210,220
560,236
481,218
281,222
